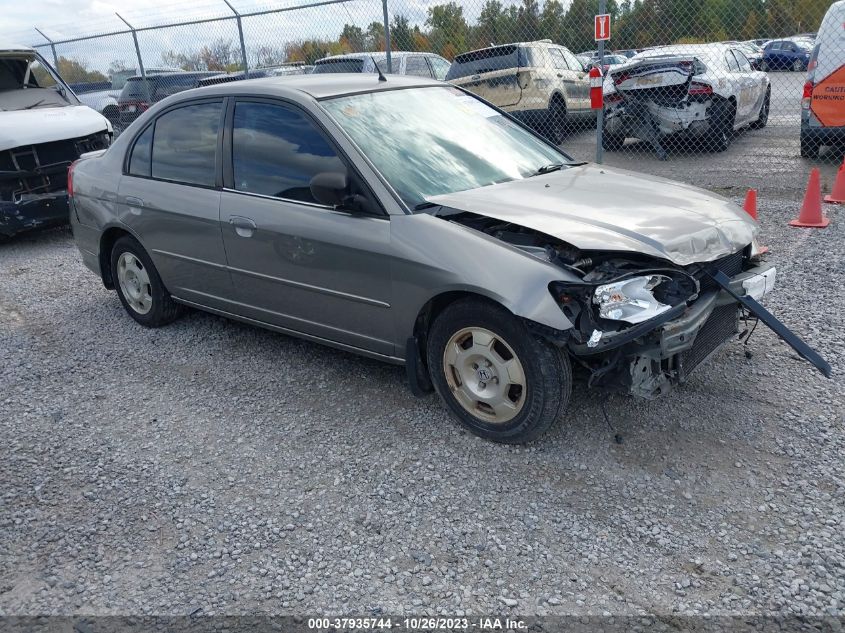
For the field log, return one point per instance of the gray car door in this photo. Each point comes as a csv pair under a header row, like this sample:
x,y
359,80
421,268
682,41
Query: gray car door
x,y
170,199
296,263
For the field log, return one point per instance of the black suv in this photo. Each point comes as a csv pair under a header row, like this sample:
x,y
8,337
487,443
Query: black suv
x,y
139,93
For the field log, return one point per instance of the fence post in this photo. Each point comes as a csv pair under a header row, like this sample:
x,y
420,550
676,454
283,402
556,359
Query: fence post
x,y
52,47
241,36
140,60
387,37
600,119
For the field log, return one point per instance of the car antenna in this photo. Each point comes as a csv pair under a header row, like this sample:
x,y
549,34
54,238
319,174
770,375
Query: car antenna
x,y
381,77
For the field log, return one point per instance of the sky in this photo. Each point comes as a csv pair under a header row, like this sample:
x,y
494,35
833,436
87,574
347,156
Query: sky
x,y
63,19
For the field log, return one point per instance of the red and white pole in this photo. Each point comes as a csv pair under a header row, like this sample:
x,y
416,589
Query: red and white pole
x,y
596,92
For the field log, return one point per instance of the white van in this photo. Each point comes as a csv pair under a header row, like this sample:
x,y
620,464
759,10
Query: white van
x,y
43,129
823,103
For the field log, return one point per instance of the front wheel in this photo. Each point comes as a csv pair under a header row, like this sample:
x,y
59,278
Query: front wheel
x,y
139,286
500,381
557,121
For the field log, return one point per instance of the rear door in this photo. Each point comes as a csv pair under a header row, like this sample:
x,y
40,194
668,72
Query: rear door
x,y
297,263
581,80
170,198
491,73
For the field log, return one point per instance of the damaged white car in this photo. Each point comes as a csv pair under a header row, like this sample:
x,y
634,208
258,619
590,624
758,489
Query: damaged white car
x,y
703,91
43,129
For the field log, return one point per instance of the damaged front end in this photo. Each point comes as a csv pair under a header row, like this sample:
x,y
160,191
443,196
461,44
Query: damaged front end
x,y
653,98
642,324
33,182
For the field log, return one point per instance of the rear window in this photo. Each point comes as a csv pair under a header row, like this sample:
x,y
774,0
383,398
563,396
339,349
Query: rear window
x,y
488,60
346,65
134,88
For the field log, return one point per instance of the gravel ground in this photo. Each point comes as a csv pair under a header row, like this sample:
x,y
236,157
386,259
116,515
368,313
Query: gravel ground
x,y
213,467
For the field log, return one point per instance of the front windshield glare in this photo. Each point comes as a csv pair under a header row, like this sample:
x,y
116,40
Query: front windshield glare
x,y
431,141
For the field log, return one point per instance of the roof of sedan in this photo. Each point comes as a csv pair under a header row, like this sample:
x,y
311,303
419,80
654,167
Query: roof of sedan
x,y
318,86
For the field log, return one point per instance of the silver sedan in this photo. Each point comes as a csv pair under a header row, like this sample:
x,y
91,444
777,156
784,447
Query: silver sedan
x,y
410,221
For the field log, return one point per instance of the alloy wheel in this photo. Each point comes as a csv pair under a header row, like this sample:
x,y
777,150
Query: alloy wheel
x,y
134,283
484,374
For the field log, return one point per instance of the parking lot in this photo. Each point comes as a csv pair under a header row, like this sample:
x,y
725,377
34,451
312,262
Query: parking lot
x,y
212,467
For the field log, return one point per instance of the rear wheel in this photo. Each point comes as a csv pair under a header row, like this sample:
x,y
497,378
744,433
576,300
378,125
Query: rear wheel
x,y
763,117
764,65
797,66
557,120
139,286
810,145
500,381
722,133
612,142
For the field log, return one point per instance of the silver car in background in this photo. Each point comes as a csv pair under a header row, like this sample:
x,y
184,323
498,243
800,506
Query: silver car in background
x,y
345,210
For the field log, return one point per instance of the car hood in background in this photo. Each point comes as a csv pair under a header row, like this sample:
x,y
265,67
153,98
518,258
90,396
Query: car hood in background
x,y
605,209
42,125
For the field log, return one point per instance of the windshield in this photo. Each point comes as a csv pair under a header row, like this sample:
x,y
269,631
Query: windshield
x,y
27,83
431,141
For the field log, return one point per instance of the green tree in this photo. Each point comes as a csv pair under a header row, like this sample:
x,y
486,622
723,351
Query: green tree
x,y
77,71
528,21
551,21
354,38
401,36
449,29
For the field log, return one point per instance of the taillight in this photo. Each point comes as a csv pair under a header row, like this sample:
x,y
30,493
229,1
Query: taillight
x,y
618,79
70,178
700,89
807,96
613,97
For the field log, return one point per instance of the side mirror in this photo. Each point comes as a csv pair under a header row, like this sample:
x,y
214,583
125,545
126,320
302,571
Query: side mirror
x,y
329,187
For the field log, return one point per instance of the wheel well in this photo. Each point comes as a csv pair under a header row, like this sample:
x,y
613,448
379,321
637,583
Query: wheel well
x,y
435,306
557,98
107,240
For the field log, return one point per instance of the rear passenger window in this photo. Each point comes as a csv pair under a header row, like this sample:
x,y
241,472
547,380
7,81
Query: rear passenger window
x,y
139,161
417,66
730,60
557,59
276,151
185,144
573,62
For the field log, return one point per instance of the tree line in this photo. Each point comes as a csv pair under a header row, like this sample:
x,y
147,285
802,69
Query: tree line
x,y
447,31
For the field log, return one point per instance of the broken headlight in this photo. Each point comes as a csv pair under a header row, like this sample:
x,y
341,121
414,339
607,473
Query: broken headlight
x,y
630,299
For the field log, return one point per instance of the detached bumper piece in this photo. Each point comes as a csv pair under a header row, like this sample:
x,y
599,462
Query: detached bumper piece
x,y
33,182
647,359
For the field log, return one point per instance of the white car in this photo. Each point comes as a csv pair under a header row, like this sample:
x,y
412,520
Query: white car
x,y
707,91
43,129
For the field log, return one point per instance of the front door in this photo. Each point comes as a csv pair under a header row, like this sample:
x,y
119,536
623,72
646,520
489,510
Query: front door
x,y
296,263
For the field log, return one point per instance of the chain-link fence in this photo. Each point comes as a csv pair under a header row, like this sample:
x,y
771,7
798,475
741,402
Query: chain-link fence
x,y
681,78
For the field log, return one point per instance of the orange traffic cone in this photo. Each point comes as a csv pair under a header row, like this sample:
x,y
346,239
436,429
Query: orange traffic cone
x,y
811,210
750,205
837,196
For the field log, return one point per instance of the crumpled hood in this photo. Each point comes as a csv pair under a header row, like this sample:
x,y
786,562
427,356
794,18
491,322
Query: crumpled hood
x,y
42,125
600,208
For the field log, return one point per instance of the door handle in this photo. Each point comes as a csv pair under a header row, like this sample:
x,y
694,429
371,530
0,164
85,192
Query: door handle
x,y
244,227
132,201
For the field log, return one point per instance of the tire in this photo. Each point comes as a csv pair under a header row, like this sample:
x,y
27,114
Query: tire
x,y
112,114
139,286
763,117
557,120
797,66
612,142
723,132
473,342
764,66
810,145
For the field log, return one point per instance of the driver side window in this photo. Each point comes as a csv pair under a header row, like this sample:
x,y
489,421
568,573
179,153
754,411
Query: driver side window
x,y
276,151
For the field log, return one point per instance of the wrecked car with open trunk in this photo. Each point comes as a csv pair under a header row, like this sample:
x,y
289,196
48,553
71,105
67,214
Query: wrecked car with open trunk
x,y
412,222
700,92
43,129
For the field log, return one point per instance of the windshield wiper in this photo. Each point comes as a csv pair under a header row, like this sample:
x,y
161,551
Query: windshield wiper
x,y
34,105
547,169
425,205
